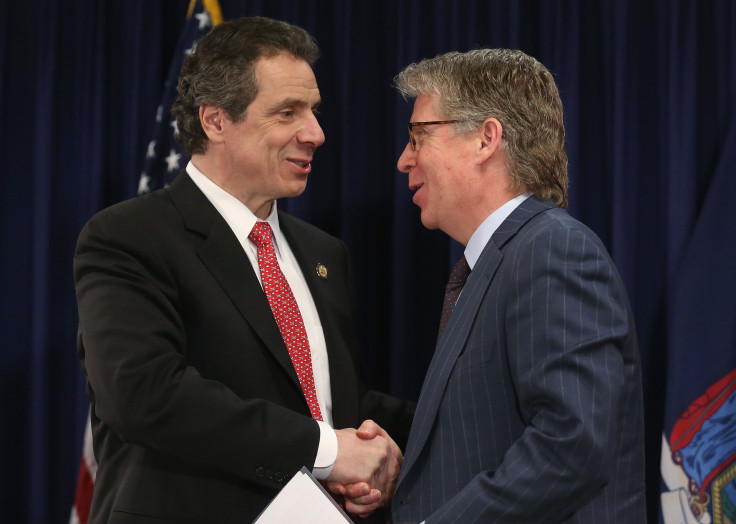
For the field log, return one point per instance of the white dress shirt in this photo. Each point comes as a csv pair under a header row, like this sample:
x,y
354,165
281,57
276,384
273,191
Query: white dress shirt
x,y
241,220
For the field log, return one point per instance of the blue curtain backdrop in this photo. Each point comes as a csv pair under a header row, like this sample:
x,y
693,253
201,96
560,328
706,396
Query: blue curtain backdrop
x,y
648,88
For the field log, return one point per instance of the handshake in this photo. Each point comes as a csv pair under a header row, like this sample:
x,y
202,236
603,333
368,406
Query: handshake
x,y
366,468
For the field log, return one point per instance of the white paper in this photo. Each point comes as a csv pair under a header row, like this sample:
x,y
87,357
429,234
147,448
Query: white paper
x,y
303,500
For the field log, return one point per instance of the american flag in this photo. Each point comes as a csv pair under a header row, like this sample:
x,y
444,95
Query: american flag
x,y
164,156
164,160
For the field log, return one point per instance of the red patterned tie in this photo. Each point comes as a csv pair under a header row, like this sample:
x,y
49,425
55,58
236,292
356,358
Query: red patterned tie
x,y
286,312
455,284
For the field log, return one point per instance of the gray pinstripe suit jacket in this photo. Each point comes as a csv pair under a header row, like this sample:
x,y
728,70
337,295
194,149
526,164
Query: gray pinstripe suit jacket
x,y
531,410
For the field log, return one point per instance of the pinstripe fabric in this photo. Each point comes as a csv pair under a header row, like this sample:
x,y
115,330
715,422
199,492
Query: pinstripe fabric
x,y
531,410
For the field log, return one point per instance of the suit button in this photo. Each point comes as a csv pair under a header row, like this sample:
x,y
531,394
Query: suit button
x,y
260,472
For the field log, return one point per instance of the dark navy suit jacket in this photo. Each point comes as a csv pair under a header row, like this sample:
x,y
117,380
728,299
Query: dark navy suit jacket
x,y
531,411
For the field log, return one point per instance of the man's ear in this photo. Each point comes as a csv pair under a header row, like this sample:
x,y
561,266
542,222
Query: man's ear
x,y
491,133
212,119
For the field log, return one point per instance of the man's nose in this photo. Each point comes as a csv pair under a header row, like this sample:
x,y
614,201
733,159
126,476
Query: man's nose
x,y
407,160
312,132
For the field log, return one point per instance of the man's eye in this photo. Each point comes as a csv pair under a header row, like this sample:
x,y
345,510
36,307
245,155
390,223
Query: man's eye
x,y
315,112
286,113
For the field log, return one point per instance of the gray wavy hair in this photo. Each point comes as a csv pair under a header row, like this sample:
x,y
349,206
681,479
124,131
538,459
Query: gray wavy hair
x,y
514,88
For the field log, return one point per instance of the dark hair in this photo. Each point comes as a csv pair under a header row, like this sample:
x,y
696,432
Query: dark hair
x,y
514,88
221,71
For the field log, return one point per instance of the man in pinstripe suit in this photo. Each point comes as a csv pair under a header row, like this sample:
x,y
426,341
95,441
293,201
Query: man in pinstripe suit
x,y
531,410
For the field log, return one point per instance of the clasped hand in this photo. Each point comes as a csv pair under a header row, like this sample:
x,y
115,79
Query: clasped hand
x,y
366,468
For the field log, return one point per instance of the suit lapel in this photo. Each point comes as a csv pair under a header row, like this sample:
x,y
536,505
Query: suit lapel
x,y
448,349
223,255
452,343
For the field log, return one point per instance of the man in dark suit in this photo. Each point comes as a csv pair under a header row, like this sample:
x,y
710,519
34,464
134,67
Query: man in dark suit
x,y
216,332
531,410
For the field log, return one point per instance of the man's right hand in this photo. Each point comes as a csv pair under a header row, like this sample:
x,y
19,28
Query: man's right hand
x,y
360,460
363,496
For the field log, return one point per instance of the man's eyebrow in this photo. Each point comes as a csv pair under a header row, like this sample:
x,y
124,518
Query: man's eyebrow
x,y
289,102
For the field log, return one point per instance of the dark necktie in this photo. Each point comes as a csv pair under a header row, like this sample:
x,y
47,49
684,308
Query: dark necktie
x,y
286,312
455,284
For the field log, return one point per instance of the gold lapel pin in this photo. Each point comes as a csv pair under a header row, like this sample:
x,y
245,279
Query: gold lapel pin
x,y
322,271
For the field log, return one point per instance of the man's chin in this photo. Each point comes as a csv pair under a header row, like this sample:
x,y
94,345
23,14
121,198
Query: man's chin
x,y
295,189
428,221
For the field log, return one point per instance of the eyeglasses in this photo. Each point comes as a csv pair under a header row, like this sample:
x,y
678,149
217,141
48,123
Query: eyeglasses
x,y
412,125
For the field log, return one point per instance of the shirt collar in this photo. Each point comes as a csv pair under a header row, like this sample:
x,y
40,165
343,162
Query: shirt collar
x,y
485,231
240,219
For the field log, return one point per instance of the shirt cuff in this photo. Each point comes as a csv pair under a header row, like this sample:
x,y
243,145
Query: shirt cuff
x,y
326,452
